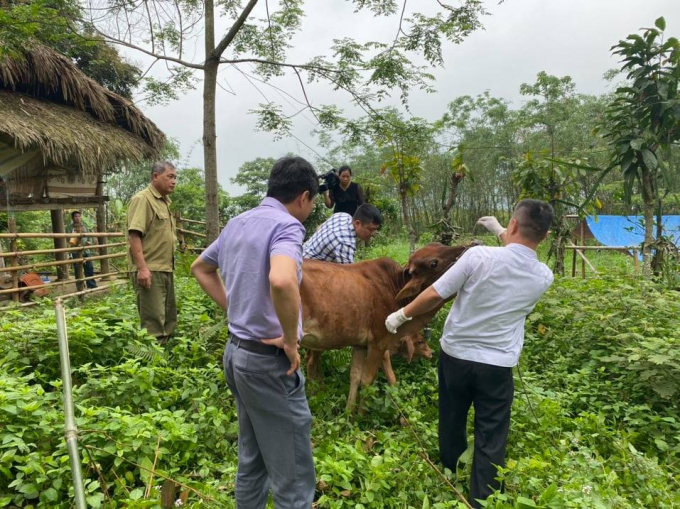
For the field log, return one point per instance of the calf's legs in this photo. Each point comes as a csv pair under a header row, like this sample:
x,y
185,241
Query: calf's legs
x,y
387,369
355,375
313,363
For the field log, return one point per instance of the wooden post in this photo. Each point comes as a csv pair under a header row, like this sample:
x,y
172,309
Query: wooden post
x,y
15,259
104,265
636,262
583,243
179,231
79,271
168,494
573,264
60,243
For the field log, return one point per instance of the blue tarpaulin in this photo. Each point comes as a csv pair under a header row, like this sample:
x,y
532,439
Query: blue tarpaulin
x,y
629,231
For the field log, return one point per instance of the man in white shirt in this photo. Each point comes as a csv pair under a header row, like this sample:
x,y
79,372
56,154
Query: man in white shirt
x,y
496,287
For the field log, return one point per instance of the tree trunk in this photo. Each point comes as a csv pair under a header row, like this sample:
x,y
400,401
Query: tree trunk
x,y
58,227
407,219
104,265
454,180
212,62
648,209
658,259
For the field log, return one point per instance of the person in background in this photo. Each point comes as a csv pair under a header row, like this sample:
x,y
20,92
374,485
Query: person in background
x,y
78,226
259,258
496,288
346,196
151,240
336,239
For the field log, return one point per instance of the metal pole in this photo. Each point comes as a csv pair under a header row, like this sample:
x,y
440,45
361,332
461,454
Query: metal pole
x,y
71,432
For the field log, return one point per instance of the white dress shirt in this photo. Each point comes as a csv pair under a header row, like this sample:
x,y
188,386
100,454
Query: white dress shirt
x,y
497,288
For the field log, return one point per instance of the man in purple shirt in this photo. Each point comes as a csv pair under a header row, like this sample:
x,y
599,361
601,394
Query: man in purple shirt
x,y
259,256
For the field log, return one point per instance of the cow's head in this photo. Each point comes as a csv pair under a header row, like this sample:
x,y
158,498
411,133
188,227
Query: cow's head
x,y
427,264
414,345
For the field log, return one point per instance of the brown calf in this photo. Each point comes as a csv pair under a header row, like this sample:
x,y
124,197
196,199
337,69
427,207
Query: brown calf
x,y
346,305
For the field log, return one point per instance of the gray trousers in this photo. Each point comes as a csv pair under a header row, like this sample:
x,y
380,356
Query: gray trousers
x,y
274,441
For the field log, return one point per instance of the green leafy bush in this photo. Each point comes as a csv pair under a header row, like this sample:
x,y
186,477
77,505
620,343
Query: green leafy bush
x,y
595,419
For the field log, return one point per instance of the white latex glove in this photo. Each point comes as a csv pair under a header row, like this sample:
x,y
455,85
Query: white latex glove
x,y
491,224
396,320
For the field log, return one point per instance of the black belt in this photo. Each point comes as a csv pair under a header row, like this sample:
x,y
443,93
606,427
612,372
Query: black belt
x,y
256,346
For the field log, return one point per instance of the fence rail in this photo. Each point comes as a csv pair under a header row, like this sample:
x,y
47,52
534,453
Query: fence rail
x,y
579,250
12,259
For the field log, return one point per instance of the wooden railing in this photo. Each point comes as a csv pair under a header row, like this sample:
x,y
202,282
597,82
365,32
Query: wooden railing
x,y
579,250
61,260
15,265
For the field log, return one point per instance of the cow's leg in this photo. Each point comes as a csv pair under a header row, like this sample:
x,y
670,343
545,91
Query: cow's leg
x,y
387,369
313,363
356,371
372,365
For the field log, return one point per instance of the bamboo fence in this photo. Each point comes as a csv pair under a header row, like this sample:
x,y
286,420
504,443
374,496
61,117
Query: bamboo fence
x,y
17,257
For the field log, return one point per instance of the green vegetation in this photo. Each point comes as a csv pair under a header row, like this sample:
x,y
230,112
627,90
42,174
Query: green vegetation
x,y
595,419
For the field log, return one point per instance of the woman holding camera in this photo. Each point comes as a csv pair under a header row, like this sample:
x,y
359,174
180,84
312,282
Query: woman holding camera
x,y
346,196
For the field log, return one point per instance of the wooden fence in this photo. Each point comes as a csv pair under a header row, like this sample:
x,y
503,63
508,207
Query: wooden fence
x,y
580,251
73,256
63,257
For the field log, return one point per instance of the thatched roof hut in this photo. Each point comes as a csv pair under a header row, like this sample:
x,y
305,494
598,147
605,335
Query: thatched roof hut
x,y
60,131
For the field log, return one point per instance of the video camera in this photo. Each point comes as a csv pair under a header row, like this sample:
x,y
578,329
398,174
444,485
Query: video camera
x,y
330,180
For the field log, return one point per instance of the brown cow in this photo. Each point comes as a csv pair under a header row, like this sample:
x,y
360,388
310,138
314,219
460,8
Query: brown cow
x,y
413,345
346,305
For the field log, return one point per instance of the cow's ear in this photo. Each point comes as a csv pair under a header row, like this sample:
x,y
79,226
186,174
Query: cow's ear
x,y
411,289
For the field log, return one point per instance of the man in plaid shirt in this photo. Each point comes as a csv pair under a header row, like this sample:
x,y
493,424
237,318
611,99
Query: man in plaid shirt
x,y
336,239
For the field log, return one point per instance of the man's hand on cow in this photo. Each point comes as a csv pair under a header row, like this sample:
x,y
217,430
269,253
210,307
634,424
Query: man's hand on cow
x,y
396,320
290,351
491,224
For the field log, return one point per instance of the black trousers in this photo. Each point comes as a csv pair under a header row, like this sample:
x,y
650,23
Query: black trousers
x,y
490,390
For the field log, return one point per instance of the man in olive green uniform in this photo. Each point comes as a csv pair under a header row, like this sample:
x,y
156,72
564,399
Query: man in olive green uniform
x,y
151,238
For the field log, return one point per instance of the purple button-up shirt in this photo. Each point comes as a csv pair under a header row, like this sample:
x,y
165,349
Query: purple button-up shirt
x,y
242,253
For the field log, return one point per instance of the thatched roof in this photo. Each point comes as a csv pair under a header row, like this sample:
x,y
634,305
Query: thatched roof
x,y
48,103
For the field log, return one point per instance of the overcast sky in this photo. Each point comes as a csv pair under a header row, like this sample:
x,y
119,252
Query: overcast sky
x,y
520,38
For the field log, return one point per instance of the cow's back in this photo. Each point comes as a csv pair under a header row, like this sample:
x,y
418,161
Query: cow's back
x,y
346,305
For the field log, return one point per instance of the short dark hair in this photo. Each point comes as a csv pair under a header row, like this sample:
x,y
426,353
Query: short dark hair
x,y
160,167
290,177
73,214
535,217
368,214
344,168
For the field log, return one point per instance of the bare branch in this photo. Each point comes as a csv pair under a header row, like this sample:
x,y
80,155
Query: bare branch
x,y
219,49
119,42
269,22
304,92
148,69
282,64
227,91
399,30
181,29
148,14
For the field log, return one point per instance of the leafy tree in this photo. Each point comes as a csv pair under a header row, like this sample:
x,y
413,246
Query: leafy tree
x,y
189,196
405,142
483,134
365,71
253,175
547,114
644,121
54,23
